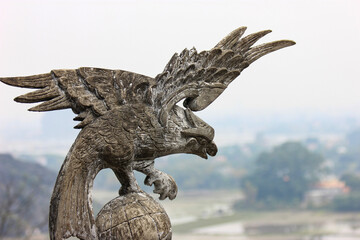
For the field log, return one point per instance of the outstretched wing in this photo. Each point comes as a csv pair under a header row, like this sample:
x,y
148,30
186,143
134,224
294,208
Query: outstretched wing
x,y
200,78
89,92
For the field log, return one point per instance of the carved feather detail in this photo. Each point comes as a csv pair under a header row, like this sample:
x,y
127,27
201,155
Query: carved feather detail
x,y
35,81
196,77
56,103
89,92
43,94
222,64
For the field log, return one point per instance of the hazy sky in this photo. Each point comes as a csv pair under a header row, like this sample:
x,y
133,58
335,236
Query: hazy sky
x,y
319,74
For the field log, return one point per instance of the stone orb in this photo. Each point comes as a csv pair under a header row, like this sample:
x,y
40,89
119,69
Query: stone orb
x,y
134,216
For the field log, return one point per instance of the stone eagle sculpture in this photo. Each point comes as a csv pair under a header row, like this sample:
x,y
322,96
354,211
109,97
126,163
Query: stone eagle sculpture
x,y
128,119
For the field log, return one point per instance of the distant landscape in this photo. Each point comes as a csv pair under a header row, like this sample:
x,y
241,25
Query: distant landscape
x,y
234,194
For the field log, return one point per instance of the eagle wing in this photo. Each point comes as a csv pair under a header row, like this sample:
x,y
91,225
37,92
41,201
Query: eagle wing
x,y
89,92
200,78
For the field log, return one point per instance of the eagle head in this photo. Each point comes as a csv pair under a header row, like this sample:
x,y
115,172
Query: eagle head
x,y
187,133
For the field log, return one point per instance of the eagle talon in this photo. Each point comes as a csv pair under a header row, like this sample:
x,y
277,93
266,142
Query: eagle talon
x,y
164,185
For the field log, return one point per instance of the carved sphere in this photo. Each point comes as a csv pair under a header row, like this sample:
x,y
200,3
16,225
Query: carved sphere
x,y
134,216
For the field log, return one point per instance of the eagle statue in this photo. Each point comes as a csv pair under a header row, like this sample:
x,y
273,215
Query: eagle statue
x,y
127,120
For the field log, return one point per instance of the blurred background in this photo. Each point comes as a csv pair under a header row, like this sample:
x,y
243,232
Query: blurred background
x,y
288,129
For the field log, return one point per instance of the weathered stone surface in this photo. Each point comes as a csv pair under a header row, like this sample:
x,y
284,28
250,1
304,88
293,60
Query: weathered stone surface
x,y
127,120
142,218
163,225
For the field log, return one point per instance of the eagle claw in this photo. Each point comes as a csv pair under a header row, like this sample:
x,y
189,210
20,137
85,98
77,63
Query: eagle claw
x,y
164,185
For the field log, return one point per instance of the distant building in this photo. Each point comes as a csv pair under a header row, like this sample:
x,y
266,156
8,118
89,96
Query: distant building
x,y
325,191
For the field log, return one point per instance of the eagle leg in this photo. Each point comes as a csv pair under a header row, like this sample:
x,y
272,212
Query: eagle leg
x,y
127,179
164,184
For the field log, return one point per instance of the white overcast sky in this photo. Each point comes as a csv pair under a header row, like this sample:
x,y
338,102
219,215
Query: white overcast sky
x,y
320,74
